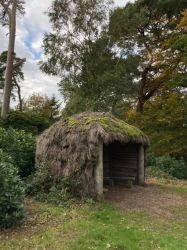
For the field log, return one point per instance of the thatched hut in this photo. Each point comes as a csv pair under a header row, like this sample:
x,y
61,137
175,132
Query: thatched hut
x,y
91,147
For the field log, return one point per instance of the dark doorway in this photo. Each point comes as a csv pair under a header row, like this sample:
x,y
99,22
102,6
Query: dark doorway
x,y
120,161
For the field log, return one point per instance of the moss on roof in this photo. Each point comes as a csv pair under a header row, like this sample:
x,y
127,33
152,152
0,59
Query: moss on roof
x,y
106,121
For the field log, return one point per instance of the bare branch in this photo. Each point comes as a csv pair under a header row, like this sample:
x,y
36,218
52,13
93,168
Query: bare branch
x,y
17,64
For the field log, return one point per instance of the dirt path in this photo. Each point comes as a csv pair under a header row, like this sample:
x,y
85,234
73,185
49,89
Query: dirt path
x,y
151,199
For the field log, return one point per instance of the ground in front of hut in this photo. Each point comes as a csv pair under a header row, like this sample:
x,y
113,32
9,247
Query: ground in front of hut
x,y
142,218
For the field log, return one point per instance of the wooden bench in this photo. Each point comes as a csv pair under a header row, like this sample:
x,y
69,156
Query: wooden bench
x,y
129,180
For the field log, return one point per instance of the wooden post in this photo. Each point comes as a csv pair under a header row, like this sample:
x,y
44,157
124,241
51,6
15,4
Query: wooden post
x,y
129,183
141,170
99,173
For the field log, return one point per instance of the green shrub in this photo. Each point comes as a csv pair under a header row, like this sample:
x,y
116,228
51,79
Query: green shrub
x,y
45,189
12,210
27,121
176,168
41,180
169,165
58,194
151,160
154,172
20,146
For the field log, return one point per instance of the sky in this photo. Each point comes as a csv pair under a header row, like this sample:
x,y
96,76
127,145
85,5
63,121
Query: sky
x,y
29,34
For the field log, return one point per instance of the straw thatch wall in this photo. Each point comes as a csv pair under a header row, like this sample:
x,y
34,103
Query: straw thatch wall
x,y
71,146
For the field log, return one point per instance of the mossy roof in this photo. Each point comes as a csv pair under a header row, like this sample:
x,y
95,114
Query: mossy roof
x,y
116,129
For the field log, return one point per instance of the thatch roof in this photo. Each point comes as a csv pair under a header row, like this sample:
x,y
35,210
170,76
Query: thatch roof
x,y
71,146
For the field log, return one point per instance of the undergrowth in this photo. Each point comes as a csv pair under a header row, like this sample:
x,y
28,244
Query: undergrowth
x,y
12,194
43,188
166,166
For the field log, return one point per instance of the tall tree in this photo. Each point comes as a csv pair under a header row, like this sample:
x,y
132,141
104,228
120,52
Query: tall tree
x,y
103,82
141,28
8,11
76,26
17,75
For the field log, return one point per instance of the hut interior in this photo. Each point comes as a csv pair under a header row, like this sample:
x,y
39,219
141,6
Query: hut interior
x,y
120,163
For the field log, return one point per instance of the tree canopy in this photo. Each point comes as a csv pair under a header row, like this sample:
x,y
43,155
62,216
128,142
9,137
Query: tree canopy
x,y
104,80
143,28
75,24
40,104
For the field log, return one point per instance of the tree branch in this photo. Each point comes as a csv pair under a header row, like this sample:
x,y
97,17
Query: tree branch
x,y
6,6
149,54
17,64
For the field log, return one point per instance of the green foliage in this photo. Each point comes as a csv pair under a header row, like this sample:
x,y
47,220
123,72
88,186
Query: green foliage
x,y
39,104
42,186
104,79
155,172
166,166
151,160
93,75
17,74
20,146
75,24
28,121
58,194
144,28
12,210
89,201
176,168
178,45
41,180
164,120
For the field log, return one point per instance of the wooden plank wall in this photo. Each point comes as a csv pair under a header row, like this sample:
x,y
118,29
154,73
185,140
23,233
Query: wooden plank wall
x,y
105,161
120,160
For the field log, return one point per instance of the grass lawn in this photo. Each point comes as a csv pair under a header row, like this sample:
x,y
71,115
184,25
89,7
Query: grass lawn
x,y
100,226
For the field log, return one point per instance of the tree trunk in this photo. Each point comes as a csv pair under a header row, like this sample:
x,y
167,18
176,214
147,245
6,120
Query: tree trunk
x,y
9,67
20,100
19,95
139,107
142,96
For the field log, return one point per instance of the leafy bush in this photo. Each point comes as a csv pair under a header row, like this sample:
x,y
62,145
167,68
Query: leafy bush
x,y
20,146
151,160
41,180
45,189
171,166
176,168
27,121
58,194
12,210
154,172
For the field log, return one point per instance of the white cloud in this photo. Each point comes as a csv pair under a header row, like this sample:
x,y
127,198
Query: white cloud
x,y
4,39
29,35
122,2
